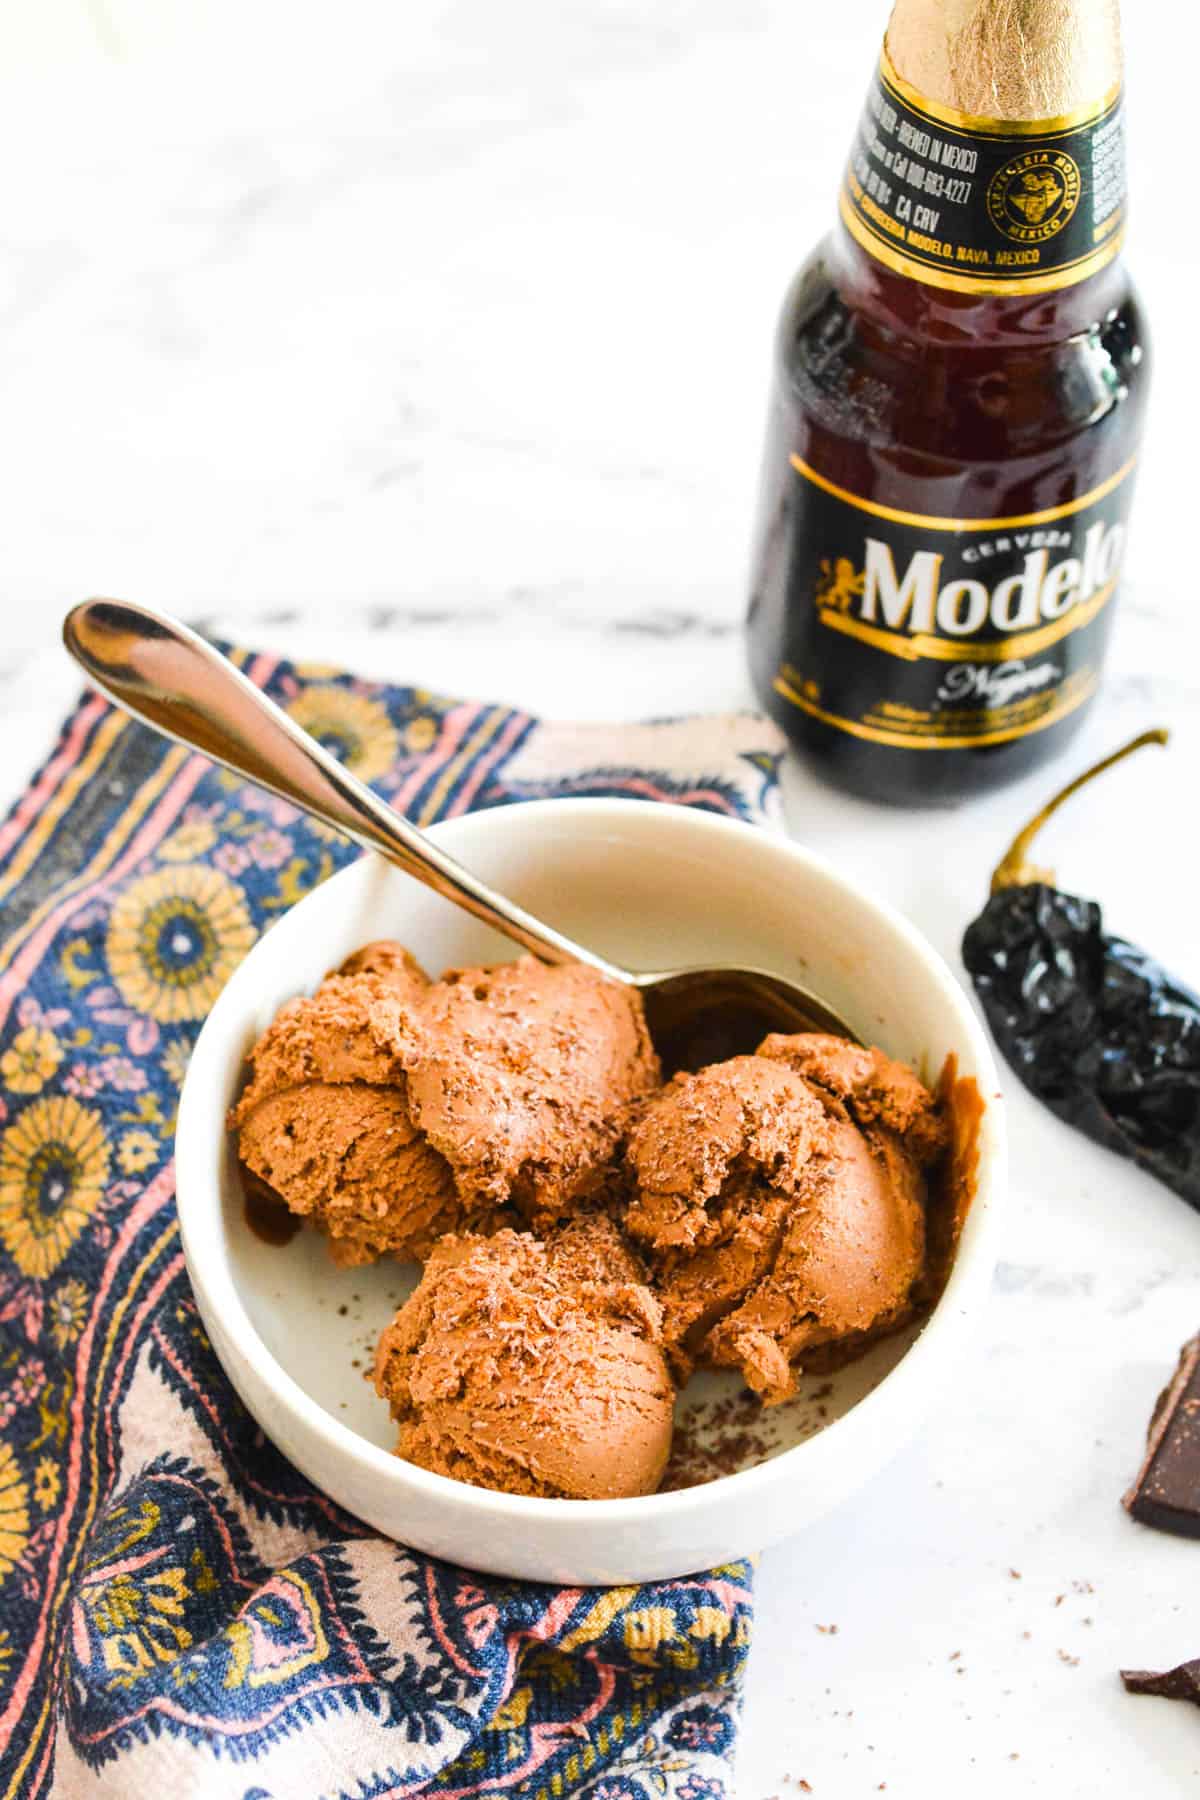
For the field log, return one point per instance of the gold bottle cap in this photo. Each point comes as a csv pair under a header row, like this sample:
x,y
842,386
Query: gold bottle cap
x,y
1007,59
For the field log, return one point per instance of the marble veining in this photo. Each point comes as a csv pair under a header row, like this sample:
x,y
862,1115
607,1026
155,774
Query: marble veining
x,y
434,341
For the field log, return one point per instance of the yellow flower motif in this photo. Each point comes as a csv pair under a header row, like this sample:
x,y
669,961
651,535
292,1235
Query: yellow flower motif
x,y
53,1166
357,730
140,1621
175,1059
30,1060
188,841
46,1483
136,1151
67,1309
14,1511
174,939
115,1604
420,733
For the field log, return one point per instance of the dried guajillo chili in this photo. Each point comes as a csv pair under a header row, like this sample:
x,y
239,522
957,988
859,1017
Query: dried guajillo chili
x,y
1093,1026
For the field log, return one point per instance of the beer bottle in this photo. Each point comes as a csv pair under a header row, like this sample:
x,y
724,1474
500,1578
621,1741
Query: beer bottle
x,y
960,379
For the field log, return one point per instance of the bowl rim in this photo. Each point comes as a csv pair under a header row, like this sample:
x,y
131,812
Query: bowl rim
x,y
216,1290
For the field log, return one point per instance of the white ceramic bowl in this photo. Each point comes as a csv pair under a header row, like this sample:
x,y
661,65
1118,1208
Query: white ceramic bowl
x,y
651,886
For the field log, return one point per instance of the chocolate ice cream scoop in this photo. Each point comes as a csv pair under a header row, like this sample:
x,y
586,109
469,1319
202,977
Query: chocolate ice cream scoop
x,y
324,1122
531,1366
876,1088
851,1247
349,1030
520,1075
780,1201
705,1140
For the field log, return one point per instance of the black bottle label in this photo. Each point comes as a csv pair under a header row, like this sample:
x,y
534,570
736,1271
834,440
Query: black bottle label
x,y
986,206
946,634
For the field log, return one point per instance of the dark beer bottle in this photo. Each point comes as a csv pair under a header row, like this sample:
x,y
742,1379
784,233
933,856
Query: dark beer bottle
x,y
960,379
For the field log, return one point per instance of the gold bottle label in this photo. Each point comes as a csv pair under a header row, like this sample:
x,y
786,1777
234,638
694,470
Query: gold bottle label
x,y
985,206
929,633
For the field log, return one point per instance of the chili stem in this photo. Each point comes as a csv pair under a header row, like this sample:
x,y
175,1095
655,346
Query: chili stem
x,y
1014,869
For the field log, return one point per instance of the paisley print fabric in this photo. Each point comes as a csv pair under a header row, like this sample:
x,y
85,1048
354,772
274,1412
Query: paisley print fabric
x,y
180,1613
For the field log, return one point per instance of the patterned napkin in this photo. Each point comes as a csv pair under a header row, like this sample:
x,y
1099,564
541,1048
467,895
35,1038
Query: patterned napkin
x,y
180,1613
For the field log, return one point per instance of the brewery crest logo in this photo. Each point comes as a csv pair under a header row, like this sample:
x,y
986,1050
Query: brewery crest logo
x,y
1034,195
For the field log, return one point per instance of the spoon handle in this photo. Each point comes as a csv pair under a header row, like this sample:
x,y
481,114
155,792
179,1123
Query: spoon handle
x,y
167,676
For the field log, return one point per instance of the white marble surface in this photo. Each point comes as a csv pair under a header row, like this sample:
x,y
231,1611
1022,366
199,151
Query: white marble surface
x,y
439,346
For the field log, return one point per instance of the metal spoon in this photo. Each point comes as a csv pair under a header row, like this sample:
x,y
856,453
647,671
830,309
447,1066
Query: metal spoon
x,y
167,676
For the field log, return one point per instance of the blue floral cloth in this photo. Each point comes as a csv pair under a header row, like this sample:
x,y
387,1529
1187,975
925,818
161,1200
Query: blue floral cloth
x,y
180,1613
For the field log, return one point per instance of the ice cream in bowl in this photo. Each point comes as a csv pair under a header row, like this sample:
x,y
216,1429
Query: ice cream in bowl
x,y
599,1263
513,1293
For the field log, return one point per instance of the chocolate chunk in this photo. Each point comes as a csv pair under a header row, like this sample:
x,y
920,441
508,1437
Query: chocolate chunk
x,y
1166,1493
1182,1683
